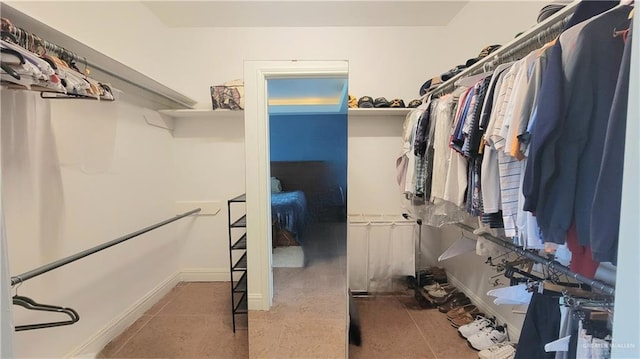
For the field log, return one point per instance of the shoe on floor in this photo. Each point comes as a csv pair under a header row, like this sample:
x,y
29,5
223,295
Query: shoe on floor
x,y
455,302
462,320
435,286
441,292
498,351
448,297
456,312
488,337
474,326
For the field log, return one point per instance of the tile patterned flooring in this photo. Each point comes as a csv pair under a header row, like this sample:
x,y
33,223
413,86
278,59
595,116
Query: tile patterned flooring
x,y
308,319
192,321
394,326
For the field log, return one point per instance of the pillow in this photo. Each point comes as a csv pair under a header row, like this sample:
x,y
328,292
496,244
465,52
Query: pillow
x,y
276,186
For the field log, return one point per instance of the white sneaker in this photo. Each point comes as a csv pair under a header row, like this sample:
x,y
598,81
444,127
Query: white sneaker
x,y
472,328
498,351
487,339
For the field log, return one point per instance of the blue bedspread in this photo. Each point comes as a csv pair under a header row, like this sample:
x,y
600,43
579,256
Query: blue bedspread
x,y
290,211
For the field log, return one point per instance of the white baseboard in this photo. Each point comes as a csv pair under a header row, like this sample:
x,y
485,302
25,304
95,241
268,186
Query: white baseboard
x,y
204,275
255,302
96,342
514,330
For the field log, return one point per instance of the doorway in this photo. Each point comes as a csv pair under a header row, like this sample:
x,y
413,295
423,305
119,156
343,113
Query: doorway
x,y
302,170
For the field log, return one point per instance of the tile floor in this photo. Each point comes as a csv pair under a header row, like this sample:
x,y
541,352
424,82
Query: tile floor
x,y
308,319
394,326
192,321
309,315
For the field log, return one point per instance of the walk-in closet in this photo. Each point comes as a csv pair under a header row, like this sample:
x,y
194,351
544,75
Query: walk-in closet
x,y
319,179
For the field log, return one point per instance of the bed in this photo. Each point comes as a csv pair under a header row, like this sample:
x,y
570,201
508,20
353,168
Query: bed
x,y
290,215
304,186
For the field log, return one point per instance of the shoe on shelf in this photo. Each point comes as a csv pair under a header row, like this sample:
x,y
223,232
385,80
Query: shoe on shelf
x,y
467,309
488,337
502,350
474,326
455,302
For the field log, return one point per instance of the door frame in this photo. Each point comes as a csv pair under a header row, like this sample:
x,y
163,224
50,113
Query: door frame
x,y
257,164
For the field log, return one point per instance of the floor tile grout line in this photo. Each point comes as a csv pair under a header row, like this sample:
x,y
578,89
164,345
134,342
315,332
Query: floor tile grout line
x,y
418,328
148,321
131,336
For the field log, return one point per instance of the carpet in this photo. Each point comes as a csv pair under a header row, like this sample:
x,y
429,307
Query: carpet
x,y
288,257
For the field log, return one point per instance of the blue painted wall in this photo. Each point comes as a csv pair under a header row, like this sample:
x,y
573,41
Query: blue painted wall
x,y
319,137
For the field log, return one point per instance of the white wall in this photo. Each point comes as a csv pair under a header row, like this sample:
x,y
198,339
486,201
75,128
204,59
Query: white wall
x,y
374,143
383,61
115,176
471,275
209,166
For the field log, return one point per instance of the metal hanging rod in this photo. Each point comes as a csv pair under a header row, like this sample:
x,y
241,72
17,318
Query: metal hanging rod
x,y
551,264
549,28
72,258
36,44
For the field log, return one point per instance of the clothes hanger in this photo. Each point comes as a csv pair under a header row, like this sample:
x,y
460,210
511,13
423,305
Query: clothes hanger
x,y
15,53
10,70
6,65
30,304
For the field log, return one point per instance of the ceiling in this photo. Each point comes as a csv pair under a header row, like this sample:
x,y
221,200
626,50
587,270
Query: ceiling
x,y
241,13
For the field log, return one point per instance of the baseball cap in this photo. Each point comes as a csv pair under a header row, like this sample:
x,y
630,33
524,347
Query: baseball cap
x,y
365,102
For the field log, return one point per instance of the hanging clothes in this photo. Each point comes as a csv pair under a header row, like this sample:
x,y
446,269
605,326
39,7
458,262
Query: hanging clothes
x,y
605,210
575,151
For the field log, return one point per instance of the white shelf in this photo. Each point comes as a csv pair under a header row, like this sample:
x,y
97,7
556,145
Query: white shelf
x,y
379,112
104,68
214,114
202,113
